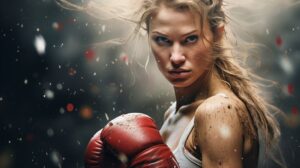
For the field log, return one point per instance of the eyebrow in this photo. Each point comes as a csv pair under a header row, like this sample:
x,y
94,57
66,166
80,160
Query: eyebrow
x,y
182,35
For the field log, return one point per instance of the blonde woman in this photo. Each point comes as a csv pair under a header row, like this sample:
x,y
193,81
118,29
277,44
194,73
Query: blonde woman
x,y
219,119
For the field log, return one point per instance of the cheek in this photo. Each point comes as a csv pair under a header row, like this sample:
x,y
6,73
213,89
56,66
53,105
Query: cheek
x,y
202,57
158,54
157,57
202,52
207,51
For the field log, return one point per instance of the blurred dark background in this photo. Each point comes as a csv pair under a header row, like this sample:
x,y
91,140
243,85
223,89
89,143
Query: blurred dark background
x,y
57,89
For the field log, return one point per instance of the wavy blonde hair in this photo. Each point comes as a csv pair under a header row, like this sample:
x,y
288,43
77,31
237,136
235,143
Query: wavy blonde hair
x,y
261,122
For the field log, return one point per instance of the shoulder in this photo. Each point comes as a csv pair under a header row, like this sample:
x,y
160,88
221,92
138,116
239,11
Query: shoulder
x,y
218,129
220,107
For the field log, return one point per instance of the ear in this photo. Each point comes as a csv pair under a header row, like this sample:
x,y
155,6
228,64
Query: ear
x,y
219,32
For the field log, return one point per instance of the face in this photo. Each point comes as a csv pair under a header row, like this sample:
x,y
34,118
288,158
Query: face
x,y
183,55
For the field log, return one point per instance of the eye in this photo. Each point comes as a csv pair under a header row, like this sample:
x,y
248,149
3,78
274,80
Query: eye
x,y
160,40
191,39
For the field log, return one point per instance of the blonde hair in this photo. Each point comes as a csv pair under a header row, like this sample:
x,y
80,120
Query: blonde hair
x,y
260,118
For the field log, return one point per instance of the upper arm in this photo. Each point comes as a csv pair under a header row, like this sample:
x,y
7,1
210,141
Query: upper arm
x,y
219,134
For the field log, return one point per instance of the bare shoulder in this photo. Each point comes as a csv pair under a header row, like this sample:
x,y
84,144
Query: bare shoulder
x,y
221,107
218,131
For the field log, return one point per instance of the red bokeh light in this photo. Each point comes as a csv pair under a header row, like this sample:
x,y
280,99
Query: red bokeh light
x,y
278,41
89,54
70,107
86,112
124,58
295,111
29,137
72,71
57,26
291,88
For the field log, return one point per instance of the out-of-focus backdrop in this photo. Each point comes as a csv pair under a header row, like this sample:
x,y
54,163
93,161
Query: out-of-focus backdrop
x,y
57,89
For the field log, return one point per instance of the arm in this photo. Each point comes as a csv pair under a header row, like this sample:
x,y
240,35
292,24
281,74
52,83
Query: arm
x,y
219,134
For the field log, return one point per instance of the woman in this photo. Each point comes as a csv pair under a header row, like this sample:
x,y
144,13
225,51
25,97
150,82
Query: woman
x,y
219,119
210,124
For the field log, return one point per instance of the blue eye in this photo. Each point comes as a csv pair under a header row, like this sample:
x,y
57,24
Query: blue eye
x,y
191,39
162,40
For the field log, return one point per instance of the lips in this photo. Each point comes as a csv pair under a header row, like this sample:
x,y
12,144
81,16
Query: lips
x,y
179,73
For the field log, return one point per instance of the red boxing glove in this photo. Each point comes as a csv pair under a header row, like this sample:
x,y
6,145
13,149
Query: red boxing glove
x,y
131,140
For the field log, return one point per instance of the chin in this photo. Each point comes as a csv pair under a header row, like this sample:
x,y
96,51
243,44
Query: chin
x,y
181,83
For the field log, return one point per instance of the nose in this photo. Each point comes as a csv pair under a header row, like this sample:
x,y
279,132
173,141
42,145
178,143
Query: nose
x,y
177,56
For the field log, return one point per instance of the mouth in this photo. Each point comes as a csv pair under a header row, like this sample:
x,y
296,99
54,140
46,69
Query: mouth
x,y
179,73
179,70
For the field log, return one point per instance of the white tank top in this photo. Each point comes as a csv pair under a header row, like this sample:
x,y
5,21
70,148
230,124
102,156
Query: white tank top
x,y
182,155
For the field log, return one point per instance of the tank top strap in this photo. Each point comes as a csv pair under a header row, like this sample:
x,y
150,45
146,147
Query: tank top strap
x,y
182,151
185,134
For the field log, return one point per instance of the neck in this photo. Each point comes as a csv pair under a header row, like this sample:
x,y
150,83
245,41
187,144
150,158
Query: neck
x,y
207,85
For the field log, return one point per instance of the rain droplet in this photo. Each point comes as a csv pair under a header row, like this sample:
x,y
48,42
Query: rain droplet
x,y
61,110
50,132
49,94
106,116
286,65
103,28
59,86
40,44
56,158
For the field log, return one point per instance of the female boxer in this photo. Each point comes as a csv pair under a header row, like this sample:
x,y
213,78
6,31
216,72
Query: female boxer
x,y
219,118
218,113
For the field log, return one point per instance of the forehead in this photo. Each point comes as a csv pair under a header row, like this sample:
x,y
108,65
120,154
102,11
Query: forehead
x,y
167,18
